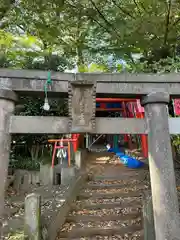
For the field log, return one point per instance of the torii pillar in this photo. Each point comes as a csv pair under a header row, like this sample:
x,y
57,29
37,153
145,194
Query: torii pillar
x,y
7,105
163,186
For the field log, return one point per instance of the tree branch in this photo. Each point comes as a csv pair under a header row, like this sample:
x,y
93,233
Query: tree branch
x,y
137,6
3,12
79,44
176,22
104,19
123,10
103,27
167,22
143,7
90,16
5,8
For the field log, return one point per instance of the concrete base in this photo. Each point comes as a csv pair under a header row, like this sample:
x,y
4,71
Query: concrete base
x,y
46,174
23,179
60,174
56,174
67,173
78,159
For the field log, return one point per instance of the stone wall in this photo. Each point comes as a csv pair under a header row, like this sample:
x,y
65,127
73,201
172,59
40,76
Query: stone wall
x,y
45,223
23,179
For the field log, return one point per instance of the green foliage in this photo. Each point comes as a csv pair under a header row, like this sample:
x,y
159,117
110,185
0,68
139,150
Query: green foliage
x,y
27,163
175,139
16,236
34,107
93,68
86,30
46,157
162,66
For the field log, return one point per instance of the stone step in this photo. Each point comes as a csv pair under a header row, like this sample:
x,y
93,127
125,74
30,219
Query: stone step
x,y
119,211
116,177
119,200
133,236
95,218
77,207
109,205
112,186
128,189
68,226
117,181
91,231
109,195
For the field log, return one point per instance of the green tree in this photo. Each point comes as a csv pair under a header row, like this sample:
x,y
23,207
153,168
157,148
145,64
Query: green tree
x,y
81,29
124,27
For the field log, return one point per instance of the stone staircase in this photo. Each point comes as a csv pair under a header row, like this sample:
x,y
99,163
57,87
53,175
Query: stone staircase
x,y
109,206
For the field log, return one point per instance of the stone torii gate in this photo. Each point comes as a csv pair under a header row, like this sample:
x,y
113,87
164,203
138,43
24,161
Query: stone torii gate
x,y
82,89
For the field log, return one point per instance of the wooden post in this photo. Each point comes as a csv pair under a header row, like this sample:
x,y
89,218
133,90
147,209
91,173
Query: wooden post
x,y
32,217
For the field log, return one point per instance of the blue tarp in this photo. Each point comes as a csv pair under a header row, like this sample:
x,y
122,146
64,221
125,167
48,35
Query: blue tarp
x,y
120,154
128,161
131,162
